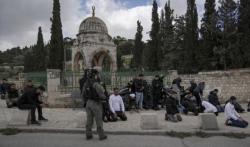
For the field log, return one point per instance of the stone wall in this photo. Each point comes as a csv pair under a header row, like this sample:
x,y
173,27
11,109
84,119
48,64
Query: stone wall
x,y
229,83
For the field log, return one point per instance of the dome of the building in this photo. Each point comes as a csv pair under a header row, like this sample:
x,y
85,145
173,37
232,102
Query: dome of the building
x,y
93,25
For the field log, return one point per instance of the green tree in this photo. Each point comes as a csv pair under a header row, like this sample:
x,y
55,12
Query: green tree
x,y
124,47
167,38
179,32
227,48
208,35
244,31
40,52
191,37
29,58
138,49
154,43
56,52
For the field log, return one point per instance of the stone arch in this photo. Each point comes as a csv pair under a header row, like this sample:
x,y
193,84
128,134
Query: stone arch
x,y
79,61
101,56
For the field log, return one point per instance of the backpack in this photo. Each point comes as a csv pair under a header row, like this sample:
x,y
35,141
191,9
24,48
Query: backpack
x,y
90,92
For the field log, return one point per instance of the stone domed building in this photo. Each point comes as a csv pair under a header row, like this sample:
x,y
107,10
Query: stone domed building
x,y
93,47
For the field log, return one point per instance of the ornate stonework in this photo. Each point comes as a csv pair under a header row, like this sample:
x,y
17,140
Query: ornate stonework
x,y
93,46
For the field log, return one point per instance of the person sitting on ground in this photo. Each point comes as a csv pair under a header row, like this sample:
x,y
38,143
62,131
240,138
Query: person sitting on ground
x,y
178,81
13,96
189,103
30,100
209,108
213,99
172,112
233,118
237,106
117,106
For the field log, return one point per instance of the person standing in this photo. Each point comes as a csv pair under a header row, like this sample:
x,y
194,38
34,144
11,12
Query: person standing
x,y
116,106
139,91
30,100
198,93
233,118
94,95
29,86
4,87
157,86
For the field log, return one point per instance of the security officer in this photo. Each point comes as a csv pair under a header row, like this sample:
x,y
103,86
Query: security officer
x,y
157,86
94,95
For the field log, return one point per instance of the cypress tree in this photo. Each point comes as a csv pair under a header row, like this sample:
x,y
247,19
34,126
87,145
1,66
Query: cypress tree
x,y
40,52
138,51
179,31
244,31
56,52
154,47
191,37
227,50
168,39
208,34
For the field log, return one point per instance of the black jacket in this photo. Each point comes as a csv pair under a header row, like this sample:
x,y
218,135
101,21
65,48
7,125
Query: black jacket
x,y
29,97
139,85
13,93
213,99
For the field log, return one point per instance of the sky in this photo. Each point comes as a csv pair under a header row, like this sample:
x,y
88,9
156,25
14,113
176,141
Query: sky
x,y
20,19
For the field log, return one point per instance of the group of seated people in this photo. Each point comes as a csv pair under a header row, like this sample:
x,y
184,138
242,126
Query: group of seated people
x,y
177,100
28,98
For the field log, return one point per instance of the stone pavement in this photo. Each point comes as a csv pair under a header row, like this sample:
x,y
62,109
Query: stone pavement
x,y
68,120
78,140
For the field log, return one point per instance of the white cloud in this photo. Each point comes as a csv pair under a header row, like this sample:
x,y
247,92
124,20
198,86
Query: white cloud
x,y
19,28
20,19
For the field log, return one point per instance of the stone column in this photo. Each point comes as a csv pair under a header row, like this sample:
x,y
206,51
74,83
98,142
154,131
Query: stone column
x,y
53,83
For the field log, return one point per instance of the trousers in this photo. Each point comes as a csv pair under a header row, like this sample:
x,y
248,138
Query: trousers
x,y
94,111
33,110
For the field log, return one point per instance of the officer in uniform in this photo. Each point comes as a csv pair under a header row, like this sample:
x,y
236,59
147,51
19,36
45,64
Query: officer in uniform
x,y
94,95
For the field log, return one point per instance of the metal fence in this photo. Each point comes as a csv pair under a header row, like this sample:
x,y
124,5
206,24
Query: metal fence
x,y
70,80
38,78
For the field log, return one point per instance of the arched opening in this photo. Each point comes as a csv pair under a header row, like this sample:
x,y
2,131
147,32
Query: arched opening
x,y
79,62
103,60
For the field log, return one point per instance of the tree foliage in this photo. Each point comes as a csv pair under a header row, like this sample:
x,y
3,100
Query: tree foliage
x,y
56,52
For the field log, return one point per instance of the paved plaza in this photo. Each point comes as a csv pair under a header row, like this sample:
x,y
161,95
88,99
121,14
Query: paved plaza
x,y
70,120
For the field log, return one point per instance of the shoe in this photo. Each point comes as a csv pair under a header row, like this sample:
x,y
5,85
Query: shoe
x,y
89,137
228,123
179,118
35,123
42,119
103,137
